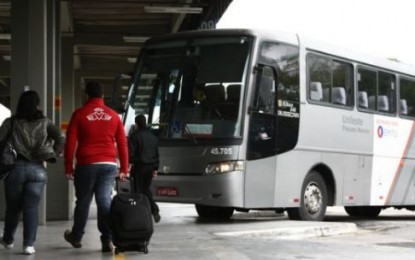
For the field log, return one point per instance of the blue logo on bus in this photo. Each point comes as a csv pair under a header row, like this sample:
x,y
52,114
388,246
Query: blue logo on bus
x,y
380,131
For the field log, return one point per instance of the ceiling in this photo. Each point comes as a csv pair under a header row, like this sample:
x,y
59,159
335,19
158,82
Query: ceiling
x,y
99,29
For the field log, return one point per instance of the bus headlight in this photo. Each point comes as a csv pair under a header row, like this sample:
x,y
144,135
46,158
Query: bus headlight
x,y
224,167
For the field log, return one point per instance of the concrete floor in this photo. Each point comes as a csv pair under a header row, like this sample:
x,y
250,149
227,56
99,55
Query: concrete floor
x,y
50,243
181,235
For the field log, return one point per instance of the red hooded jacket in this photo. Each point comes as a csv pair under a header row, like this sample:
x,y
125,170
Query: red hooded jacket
x,y
96,132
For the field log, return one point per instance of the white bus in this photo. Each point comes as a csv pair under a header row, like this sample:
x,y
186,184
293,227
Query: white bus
x,y
249,120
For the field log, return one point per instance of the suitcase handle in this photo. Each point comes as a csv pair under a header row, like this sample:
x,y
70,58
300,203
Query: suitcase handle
x,y
124,187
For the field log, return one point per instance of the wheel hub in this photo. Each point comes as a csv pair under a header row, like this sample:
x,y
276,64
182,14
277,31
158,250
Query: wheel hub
x,y
312,198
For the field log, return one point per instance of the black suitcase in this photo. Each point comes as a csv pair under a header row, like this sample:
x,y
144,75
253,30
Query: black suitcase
x,y
131,220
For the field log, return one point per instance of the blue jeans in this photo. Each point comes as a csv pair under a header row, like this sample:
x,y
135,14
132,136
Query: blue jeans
x,y
23,189
93,180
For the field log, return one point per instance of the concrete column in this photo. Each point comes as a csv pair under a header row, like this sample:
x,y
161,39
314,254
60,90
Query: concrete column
x,y
68,106
29,66
57,188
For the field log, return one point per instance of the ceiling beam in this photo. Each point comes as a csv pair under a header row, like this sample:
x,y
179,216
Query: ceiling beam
x,y
101,39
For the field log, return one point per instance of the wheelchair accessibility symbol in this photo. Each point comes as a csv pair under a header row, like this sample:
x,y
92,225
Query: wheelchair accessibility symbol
x,y
176,129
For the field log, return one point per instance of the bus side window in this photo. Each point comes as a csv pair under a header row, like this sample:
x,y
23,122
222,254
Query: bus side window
x,y
331,81
265,92
407,97
262,129
380,88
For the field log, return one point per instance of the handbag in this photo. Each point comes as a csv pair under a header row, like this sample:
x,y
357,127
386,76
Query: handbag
x,y
8,154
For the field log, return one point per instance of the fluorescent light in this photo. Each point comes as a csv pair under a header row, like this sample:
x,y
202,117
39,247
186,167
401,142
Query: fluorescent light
x,y
171,9
134,39
7,57
5,36
131,60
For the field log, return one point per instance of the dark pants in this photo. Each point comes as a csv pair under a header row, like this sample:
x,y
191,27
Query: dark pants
x,y
93,180
143,176
23,189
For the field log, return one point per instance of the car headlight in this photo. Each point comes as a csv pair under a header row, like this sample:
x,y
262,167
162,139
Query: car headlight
x,y
224,167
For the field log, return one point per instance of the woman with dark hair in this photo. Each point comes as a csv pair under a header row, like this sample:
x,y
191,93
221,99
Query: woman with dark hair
x,y
36,140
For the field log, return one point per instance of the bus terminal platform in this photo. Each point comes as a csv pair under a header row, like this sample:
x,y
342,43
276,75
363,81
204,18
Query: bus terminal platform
x,y
182,235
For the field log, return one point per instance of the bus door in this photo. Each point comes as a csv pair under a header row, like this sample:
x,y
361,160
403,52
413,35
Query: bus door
x,y
262,146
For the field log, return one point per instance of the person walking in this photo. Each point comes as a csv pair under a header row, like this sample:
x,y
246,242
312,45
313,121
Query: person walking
x,y
36,140
144,157
95,133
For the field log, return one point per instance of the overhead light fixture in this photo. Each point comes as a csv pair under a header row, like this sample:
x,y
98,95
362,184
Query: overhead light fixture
x,y
131,60
5,36
171,9
134,38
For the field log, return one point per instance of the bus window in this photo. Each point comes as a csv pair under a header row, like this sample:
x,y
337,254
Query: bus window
x,y
407,97
265,101
342,90
187,95
330,81
274,127
376,91
387,92
367,88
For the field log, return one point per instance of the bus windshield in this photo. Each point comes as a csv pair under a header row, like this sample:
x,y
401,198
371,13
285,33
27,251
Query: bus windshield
x,y
193,88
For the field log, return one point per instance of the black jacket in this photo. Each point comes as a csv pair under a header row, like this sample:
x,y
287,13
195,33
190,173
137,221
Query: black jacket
x,y
143,148
38,140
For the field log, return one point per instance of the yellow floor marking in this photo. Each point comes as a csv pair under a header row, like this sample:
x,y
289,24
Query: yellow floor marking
x,y
120,256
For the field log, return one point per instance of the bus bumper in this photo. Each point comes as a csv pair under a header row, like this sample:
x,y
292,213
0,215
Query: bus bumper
x,y
224,190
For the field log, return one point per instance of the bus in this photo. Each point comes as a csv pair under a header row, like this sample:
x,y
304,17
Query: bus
x,y
252,120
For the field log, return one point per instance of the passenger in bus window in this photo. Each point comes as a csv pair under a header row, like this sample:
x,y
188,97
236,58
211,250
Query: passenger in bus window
x,y
144,157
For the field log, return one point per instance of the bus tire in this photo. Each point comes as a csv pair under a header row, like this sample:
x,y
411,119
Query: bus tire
x,y
314,199
363,211
213,212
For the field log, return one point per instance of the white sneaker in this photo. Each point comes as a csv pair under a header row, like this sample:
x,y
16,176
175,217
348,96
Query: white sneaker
x,y
7,246
29,250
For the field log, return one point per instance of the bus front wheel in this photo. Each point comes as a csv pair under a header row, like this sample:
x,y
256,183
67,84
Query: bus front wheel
x,y
313,202
213,212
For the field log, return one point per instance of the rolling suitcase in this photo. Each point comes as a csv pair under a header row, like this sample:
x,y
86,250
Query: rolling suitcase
x,y
131,219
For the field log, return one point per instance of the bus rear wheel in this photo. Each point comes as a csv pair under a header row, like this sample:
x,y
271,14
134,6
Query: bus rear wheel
x,y
213,212
313,202
363,211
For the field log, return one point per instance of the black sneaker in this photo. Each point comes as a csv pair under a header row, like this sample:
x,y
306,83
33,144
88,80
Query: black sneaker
x,y
107,246
157,217
71,240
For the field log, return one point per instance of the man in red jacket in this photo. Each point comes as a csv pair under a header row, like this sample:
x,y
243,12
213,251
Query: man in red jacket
x,y
94,135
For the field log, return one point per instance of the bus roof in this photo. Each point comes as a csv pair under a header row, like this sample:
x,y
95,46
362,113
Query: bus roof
x,y
295,39
353,55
